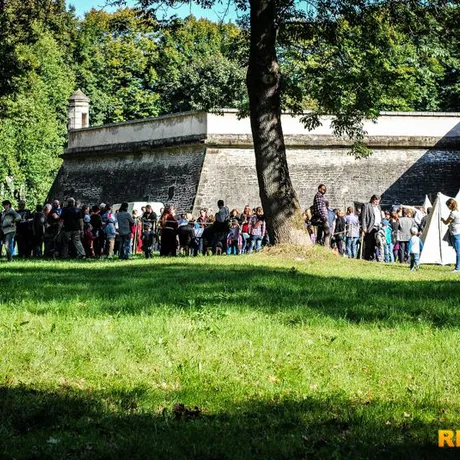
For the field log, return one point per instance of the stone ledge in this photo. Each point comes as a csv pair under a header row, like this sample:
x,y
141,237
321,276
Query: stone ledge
x,y
323,141
309,141
133,147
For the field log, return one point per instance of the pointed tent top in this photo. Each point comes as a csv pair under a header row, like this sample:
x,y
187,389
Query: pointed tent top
x,y
79,95
427,203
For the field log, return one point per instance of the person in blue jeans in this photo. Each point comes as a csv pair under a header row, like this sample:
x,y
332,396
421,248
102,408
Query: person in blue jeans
x,y
415,248
125,222
388,248
454,226
352,232
257,229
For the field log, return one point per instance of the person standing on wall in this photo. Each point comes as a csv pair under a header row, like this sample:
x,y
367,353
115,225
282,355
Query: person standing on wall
x,y
371,218
454,226
320,217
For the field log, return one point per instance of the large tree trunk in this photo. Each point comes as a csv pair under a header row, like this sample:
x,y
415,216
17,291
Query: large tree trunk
x,y
279,200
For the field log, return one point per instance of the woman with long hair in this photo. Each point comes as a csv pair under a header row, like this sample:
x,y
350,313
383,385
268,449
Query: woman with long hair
x,y
244,231
168,232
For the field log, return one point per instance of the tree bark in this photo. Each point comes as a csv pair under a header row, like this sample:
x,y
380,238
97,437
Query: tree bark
x,y
278,197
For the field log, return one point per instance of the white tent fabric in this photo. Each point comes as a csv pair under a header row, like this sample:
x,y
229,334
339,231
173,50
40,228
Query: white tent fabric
x,y
437,246
427,203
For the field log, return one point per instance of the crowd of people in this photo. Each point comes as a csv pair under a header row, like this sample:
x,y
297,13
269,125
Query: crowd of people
x,y
374,234
91,232
82,231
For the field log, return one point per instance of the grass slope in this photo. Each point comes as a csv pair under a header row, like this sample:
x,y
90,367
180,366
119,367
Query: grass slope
x,y
284,358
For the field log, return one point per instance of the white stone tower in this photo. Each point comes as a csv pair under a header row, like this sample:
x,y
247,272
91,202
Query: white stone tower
x,y
78,110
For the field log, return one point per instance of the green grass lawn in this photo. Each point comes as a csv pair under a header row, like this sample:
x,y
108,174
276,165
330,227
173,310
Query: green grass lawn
x,y
283,358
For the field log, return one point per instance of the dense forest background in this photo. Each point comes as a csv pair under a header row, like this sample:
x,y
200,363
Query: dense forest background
x,y
133,66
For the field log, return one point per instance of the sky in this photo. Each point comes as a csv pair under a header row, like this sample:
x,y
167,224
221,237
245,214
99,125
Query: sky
x,y
216,14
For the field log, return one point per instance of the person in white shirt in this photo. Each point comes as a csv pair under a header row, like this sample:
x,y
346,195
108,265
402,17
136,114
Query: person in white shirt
x,y
454,226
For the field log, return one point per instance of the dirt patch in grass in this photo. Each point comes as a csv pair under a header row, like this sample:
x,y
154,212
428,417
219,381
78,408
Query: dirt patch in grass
x,y
299,253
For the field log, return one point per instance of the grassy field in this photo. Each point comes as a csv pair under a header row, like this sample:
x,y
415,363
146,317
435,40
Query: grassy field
x,y
263,356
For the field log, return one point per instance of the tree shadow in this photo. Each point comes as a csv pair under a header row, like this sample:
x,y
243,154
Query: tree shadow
x,y
70,423
435,171
292,296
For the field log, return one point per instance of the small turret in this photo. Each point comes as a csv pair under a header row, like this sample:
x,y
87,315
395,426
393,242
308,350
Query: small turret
x,y
78,110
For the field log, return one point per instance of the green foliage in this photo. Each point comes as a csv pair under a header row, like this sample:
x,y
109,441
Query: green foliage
x,y
210,83
33,117
18,20
115,62
359,62
200,65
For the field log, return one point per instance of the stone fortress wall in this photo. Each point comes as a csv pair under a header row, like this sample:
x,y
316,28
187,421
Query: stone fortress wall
x,y
193,159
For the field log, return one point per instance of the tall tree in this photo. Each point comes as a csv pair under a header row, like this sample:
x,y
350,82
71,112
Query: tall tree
x,y
35,84
278,197
359,34
33,126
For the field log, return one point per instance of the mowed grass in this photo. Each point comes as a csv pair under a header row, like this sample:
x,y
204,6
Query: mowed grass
x,y
272,356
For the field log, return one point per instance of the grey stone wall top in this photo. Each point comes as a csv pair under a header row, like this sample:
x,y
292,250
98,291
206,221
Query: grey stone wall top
x,y
400,129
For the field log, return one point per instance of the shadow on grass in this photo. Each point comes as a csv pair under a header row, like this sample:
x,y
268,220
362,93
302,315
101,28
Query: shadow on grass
x,y
69,423
295,297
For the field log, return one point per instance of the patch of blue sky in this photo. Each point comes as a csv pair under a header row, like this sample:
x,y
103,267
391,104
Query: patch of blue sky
x,y
219,12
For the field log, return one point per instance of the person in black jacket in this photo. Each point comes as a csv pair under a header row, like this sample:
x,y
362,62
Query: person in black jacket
x,y
340,231
38,231
371,218
24,231
147,240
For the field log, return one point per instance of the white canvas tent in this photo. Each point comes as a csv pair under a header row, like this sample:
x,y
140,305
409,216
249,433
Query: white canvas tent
x,y
437,246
